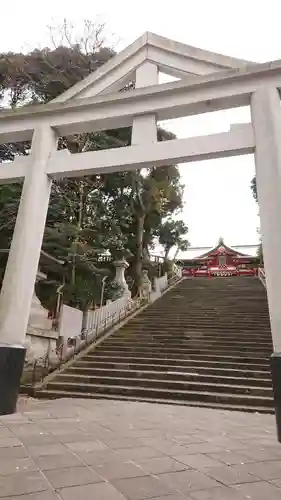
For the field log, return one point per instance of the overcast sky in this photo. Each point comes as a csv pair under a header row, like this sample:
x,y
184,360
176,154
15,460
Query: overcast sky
x,y
218,200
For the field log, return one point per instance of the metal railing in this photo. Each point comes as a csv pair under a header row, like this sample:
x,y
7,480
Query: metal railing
x,y
36,371
177,270
100,321
97,324
95,320
103,320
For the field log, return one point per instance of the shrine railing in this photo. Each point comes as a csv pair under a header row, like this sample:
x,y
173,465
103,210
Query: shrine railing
x,y
177,270
97,324
261,275
94,325
97,321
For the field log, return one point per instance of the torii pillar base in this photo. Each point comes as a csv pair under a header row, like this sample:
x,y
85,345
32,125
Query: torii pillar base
x,y
276,381
11,366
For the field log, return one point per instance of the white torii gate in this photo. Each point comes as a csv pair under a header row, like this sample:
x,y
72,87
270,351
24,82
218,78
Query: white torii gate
x,y
208,82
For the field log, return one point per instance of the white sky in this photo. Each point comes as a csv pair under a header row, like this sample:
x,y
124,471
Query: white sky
x,y
218,200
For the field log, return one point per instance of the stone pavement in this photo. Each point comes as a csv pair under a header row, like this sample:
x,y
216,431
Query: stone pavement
x,y
108,450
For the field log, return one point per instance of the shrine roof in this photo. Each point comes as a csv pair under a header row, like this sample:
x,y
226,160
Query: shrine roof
x,y
221,247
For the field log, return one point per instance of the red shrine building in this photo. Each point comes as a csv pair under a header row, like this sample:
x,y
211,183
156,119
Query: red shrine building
x,y
220,261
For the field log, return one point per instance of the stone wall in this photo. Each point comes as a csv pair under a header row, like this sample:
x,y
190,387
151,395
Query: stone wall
x,y
41,339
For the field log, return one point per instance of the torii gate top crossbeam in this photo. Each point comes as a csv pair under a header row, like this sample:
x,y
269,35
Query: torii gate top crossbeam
x,y
213,92
171,57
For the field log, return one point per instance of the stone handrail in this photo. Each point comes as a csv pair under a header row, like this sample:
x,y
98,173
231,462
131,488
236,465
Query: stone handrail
x,y
261,275
95,324
97,320
177,270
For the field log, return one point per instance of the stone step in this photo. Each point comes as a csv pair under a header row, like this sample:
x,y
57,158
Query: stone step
x,y
206,342
250,360
222,331
170,375
177,318
173,385
184,348
159,350
190,337
178,314
208,299
238,310
207,304
244,334
225,295
210,326
206,307
200,310
180,394
56,394
256,371
132,341
181,294
174,334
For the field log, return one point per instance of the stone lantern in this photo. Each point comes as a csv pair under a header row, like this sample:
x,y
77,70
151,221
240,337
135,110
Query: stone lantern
x,y
120,267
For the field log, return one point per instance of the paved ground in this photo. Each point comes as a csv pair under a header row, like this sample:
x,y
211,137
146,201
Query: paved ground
x,y
103,450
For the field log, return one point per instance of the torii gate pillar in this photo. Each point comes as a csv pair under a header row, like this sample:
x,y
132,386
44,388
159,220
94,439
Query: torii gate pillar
x,y
266,119
18,284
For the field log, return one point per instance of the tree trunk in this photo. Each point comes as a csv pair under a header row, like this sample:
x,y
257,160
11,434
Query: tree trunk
x,y
176,254
79,226
139,249
167,250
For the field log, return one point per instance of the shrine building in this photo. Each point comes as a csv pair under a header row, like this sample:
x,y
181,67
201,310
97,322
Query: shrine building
x,y
220,261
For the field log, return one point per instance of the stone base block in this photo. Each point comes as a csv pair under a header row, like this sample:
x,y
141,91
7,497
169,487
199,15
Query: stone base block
x,y
276,380
37,321
11,366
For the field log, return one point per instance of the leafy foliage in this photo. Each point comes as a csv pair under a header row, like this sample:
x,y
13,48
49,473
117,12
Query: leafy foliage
x,y
116,214
254,188
170,235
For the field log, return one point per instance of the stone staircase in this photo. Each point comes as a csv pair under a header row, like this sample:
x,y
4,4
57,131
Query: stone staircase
x,y
206,342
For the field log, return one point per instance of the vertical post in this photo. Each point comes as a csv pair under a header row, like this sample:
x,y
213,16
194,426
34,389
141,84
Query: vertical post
x,y
266,117
145,126
18,284
144,131
102,290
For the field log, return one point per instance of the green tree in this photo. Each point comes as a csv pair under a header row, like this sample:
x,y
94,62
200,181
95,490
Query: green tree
x,y
120,213
182,246
170,235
